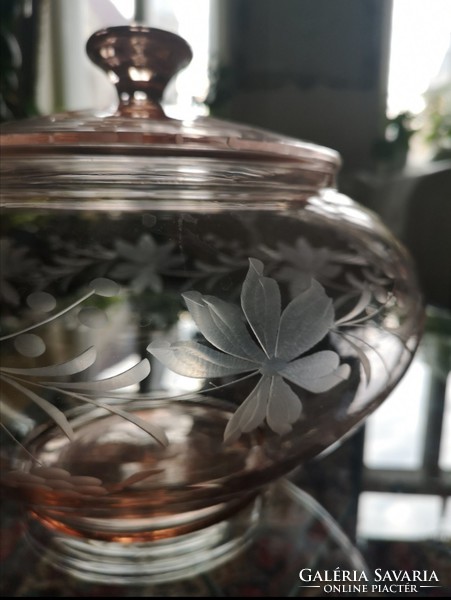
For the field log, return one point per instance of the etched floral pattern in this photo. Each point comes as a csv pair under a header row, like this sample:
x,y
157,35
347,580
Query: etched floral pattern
x,y
141,265
72,259
35,383
256,339
301,262
261,339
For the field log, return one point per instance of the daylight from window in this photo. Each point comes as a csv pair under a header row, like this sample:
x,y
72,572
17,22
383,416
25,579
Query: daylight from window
x,y
421,36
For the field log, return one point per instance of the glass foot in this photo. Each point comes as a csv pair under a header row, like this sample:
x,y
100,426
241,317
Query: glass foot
x,y
158,561
257,552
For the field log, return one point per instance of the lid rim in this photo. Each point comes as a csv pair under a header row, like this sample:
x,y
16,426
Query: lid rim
x,y
181,144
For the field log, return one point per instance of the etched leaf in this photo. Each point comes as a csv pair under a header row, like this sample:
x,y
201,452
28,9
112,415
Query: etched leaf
x,y
304,322
315,365
49,319
261,303
326,383
41,301
366,365
362,303
196,360
53,412
251,413
317,373
153,430
221,324
105,287
379,279
133,375
75,365
30,345
284,406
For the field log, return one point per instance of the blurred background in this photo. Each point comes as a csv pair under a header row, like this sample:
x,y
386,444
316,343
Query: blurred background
x,y
371,79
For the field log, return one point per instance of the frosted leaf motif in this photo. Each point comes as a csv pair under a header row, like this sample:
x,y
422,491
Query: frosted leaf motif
x,y
317,373
28,381
360,312
273,352
29,345
284,407
133,375
304,322
251,413
378,285
41,302
196,360
260,299
72,258
54,413
105,287
222,325
362,303
75,365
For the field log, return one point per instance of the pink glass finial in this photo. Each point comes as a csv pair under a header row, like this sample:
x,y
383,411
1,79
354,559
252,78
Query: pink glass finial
x,y
139,61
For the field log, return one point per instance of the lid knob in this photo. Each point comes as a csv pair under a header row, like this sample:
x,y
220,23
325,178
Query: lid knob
x,y
139,61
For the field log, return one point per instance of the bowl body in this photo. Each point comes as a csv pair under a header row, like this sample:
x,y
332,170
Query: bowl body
x,y
175,341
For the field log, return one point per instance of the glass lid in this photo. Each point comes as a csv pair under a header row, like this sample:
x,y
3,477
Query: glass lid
x,y
140,61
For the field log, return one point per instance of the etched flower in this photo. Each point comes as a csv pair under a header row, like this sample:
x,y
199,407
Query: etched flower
x,y
141,265
304,262
260,339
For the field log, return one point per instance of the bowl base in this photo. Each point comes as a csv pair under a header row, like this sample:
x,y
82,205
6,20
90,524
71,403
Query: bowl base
x,y
156,561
